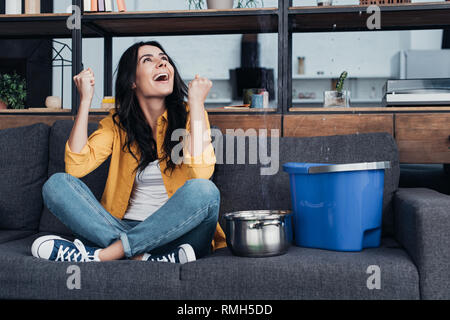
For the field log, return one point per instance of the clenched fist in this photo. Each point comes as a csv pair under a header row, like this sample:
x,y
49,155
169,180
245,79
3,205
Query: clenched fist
x,y
198,90
85,82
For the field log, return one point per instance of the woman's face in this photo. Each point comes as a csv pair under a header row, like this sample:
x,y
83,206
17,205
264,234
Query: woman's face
x,y
154,73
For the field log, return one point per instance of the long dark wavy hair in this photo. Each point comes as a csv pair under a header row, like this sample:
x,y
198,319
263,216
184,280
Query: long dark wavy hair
x,y
132,119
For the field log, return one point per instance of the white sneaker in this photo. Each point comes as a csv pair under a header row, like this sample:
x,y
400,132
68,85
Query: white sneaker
x,y
55,248
183,254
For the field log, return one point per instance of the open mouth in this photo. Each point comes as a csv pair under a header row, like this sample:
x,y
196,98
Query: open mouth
x,y
161,78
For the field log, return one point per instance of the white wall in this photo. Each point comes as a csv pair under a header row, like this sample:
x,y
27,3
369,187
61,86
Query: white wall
x,y
426,39
360,53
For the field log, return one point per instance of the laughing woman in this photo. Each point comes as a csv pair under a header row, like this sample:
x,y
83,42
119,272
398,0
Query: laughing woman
x,y
153,208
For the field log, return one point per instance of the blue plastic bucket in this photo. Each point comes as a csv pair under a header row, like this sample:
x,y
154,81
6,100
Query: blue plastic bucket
x,y
337,207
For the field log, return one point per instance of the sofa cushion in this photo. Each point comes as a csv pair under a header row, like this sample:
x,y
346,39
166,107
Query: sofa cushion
x,y
26,277
96,180
243,187
10,235
23,171
304,273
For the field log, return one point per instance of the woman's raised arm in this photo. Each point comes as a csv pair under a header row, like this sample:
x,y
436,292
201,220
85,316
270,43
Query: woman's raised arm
x,y
84,154
85,82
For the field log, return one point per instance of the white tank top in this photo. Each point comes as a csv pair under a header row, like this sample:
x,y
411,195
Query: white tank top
x,y
148,195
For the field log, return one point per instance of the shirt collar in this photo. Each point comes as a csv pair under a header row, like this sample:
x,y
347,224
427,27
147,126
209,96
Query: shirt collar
x,y
164,115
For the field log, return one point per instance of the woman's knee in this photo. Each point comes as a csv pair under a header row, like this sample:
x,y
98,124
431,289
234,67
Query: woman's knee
x,y
54,184
54,180
205,188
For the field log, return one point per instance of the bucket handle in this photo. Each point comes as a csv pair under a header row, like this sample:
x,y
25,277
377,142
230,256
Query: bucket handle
x,y
351,167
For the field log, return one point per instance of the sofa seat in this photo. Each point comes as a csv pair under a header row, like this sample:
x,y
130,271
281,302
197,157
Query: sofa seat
x,y
26,277
302,273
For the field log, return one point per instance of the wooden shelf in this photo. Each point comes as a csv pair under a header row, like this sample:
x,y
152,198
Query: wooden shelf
x,y
370,109
247,124
180,22
35,110
336,76
106,111
243,110
142,23
45,25
410,16
100,110
49,110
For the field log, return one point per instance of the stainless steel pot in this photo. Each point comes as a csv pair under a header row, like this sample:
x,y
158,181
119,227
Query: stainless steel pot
x,y
258,233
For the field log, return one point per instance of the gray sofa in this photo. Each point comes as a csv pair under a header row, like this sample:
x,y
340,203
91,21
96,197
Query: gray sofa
x,y
413,259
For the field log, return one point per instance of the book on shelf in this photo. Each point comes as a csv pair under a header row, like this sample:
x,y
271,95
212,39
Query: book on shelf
x,y
108,6
12,6
103,6
86,5
94,5
121,5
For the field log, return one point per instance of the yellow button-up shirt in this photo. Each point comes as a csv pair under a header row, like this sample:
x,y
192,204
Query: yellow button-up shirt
x,y
109,139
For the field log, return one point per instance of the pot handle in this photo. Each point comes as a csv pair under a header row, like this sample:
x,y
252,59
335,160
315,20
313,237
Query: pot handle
x,y
259,225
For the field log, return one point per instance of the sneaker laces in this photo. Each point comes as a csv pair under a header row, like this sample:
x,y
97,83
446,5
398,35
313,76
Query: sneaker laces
x,y
170,257
77,254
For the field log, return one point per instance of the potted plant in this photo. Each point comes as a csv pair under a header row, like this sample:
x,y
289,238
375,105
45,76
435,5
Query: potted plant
x,y
195,4
322,3
338,97
12,91
224,4
219,4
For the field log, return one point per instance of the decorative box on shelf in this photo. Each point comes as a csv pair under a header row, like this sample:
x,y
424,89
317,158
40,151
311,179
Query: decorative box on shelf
x,y
108,103
369,2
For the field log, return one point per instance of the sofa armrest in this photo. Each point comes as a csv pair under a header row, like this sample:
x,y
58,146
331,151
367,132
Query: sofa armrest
x,y
422,226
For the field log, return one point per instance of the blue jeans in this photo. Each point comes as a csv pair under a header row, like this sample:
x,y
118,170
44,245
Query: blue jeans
x,y
189,216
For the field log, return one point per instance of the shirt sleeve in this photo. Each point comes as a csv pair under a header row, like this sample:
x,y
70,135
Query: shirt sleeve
x,y
201,166
97,149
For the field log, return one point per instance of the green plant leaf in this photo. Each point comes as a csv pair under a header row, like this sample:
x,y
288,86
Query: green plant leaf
x,y
195,4
13,90
340,82
250,3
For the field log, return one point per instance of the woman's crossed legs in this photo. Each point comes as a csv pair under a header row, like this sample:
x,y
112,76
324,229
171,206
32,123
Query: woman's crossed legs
x,y
188,217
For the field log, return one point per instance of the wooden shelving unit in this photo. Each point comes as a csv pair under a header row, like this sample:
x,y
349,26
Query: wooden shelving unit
x,y
403,123
283,20
406,16
181,22
341,18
